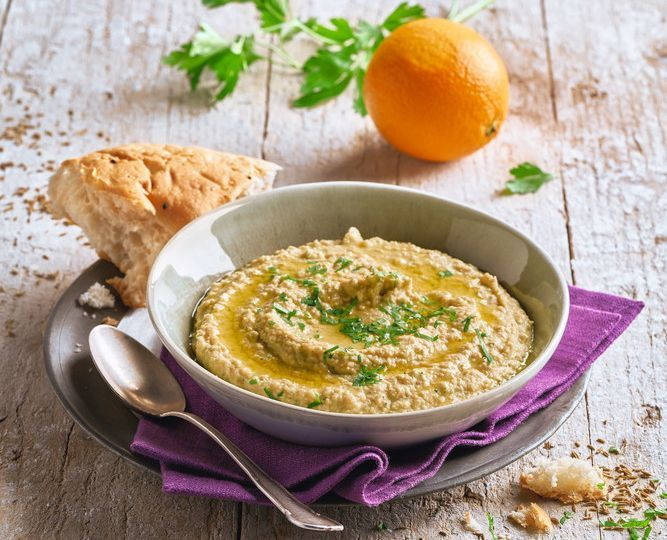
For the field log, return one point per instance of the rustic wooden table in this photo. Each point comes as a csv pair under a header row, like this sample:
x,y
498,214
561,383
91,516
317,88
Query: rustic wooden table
x,y
587,103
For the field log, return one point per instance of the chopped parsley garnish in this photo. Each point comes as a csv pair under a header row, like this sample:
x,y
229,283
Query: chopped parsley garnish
x,y
341,263
368,376
600,486
663,495
445,273
492,530
613,450
269,393
316,402
424,336
285,314
273,272
301,326
283,296
566,515
382,526
316,269
329,352
313,299
304,282
404,320
482,346
467,321
252,381
528,178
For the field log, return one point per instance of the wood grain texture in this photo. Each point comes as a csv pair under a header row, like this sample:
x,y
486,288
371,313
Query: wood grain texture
x,y
586,83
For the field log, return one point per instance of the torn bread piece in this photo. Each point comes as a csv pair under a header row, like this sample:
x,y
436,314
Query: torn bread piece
x,y
532,517
131,199
97,296
472,525
567,479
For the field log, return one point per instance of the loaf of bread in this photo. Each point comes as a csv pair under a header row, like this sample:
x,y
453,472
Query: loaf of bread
x,y
131,199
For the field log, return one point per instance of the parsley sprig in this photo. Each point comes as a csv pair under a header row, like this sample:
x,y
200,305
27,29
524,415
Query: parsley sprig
x,y
527,178
343,53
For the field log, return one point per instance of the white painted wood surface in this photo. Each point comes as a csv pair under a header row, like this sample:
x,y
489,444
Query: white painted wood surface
x,y
587,103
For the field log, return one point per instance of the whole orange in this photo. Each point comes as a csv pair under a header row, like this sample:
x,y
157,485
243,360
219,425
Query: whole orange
x,y
436,89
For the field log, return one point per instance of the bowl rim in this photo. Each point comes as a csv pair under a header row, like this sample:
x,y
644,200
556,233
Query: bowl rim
x,y
517,381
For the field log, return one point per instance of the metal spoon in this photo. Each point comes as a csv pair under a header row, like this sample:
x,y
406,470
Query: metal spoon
x,y
144,383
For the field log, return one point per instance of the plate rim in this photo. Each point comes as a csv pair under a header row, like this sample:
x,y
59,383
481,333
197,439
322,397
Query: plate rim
x,y
53,325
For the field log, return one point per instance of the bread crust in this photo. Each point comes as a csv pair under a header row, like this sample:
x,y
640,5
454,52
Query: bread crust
x,y
532,517
150,190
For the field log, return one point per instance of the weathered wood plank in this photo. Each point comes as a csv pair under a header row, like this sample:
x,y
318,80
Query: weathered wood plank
x,y
90,75
610,104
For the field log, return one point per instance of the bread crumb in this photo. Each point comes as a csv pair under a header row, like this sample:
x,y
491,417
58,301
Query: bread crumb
x,y
532,517
97,297
567,479
110,321
469,524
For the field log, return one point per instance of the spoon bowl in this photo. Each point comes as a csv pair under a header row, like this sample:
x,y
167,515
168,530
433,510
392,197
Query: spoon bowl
x,y
146,385
134,373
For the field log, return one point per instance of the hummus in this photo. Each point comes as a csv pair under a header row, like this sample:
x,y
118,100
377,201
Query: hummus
x,y
361,326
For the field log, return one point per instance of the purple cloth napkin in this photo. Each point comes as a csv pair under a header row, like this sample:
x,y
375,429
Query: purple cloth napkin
x,y
192,464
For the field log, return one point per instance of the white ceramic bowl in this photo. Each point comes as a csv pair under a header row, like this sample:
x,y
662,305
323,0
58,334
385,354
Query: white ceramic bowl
x,y
237,233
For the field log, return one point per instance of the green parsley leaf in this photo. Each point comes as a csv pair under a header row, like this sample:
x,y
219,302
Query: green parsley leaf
x,y
285,314
316,402
613,450
327,75
600,486
283,296
218,3
316,269
482,346
313,299
528,178
403,13
208,50
492,530
345,55
301,326
467,321
445,273
424,336
663,495
382,526
368,376
341,263
655,512
329,352
270,394
566,515
253,381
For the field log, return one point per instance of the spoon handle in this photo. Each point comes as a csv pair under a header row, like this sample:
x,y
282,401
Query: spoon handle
x,y
296,512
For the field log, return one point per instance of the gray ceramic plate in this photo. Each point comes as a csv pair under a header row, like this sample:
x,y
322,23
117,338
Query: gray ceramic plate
x,y
97,410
